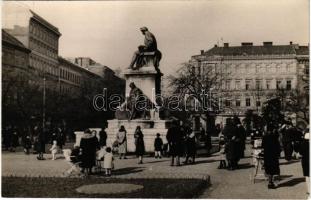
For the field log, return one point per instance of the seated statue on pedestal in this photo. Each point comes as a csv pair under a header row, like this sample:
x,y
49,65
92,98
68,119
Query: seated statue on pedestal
x,y
146,52
137,105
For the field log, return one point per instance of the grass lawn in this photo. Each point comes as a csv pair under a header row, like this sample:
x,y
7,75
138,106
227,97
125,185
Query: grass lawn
x,y
65,187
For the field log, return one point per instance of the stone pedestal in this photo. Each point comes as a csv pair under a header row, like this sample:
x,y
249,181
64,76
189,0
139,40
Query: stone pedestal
x,y
149,128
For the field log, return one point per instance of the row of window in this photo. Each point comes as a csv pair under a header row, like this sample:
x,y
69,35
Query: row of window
x,y
43,65
251,68
65,74
43,33
279,84
39,46
237,103
15,58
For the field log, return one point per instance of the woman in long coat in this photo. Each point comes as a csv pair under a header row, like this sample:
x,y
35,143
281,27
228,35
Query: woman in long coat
x,y
174,138
88,145
304,152
271,147
40,142
102,138
232,146
139,143
122,142
190,147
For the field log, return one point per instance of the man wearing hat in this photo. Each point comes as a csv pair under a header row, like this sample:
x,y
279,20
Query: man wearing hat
x,y
150,46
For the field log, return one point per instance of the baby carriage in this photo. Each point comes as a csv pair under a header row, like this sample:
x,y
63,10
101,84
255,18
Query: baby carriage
x,y
73,157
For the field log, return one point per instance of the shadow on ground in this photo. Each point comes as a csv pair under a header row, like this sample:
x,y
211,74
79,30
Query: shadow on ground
x,y
128,170
289,162
292,182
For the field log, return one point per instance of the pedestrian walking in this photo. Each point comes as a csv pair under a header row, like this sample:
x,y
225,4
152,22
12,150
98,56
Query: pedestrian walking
x,y
232,146
174,137
102,138
108,161
304,152
54,150
190,147
40,137
61,137
222,152
27,144
271,154
297,139
287,134
54,135
5,137
139,143
88,145
158,146
14,140
242,137
122,142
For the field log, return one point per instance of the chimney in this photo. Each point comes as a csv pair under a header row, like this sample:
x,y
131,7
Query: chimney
x,y
291,43
215,45
246,44
269,44
226,44
202,52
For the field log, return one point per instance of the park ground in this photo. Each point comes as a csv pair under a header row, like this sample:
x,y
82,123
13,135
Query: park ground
x,y
24,176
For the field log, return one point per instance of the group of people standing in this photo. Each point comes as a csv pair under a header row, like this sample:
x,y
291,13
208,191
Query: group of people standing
x,y
32,138
232,144
292,140
90,144
181,142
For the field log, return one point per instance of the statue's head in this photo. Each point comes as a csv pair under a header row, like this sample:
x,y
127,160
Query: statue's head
x,y
132,85
143,29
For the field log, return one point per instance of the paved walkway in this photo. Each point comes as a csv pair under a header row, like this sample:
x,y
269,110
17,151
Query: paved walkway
x,y
224,184
21,165
239,183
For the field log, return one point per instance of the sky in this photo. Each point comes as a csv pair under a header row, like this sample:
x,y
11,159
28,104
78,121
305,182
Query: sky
x,y
108,31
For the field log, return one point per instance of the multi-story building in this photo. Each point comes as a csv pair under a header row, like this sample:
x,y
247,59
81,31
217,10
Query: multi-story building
x,y
40,37
251,74
53,81
114,83
73,79
84,62
15,69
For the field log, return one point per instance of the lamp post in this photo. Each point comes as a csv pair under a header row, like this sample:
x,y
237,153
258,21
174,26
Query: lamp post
x,y
43,103
210,98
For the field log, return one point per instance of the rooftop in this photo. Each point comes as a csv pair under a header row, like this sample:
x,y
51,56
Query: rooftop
x,y
247,48
8,38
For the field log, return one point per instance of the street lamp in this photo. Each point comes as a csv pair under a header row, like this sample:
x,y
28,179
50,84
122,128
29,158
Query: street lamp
x,y
43,99
210,98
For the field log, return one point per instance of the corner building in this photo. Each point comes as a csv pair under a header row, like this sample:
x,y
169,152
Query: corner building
x,y
252,74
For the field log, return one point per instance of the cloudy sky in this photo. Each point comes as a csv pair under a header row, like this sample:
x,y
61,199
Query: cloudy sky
x,y
108,31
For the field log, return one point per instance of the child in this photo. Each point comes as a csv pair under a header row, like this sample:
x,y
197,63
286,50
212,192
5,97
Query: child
x,y
222,145
54,150
27,144
108,161
158,143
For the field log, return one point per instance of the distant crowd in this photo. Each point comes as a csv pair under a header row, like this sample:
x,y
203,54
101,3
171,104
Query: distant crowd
x,y
182,143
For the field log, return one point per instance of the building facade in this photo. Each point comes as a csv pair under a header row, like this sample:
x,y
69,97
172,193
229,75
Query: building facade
x,y
113,83
15,67
42,38
56,88
250,75
73,79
